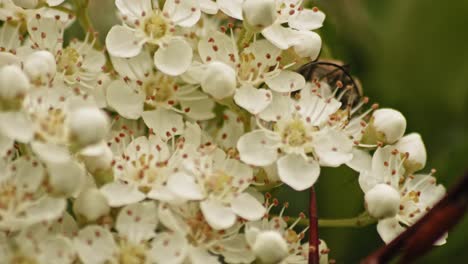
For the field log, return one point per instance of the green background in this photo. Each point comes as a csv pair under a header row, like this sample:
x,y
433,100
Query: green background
x,y
411,56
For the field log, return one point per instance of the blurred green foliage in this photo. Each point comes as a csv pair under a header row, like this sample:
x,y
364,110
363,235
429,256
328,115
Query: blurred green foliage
x,y
411,56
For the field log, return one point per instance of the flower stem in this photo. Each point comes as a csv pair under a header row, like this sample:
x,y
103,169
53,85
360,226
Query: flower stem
x,y
81,7
361,220
313,229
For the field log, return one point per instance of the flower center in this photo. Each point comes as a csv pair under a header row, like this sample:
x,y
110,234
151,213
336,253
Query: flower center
x,y
218,182
132,254
52,125
155,26
69,61
159,89
295,134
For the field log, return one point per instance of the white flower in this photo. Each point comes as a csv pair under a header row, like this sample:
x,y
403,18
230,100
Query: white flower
x,y
418,193
136,225
14,85
270,247
298,35
299,137
414,146
23,199
231,130
88,125
256,64
382,201
259,14
91,204
141,170
145,88
192,239
387,126
147,23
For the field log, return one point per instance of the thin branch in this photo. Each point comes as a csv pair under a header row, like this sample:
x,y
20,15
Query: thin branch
x,y
313,229
357,222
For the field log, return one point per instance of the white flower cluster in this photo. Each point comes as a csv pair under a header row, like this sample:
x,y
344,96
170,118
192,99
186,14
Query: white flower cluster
x,y
151,151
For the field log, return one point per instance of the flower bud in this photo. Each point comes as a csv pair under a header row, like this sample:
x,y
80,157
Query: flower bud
x,y
97,157
13,83
270,247
414,146
382,201
40,66
259,14
88,125
91,205
387,125
66,178
219,80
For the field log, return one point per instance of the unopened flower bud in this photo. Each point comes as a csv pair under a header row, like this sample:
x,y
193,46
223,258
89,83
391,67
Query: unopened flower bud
x,y
259,14
387,125
91,205
270,247
382,201
88,125
97,157
414,146
219,80
13,83
66,178
40,66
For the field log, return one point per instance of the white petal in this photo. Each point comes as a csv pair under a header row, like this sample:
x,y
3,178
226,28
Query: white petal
x,y
297,172
134,9
258,148
6,145
232,8
127,101
7,58
174,58
55,2
170,248
219,80
95,245
56,250
123,42
247,207
217,46
388,229
307,44
119,194
278,108
49,152
252,99
184,186
286,81
66,178
137,222
17,126
209,6
280,36
307,20
199,255
362,160
200,109
333,147
217,215
184,13
164,123
134,68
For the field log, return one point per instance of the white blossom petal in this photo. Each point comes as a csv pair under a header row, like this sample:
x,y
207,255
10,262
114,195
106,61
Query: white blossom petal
x,y
119,194
49,152
258,148
280,36
297,172
199,255
164,123
17,126
184,13
209,6
362,160
252,99
333,147
286,81
184,186
134,9
123,42
128,102
307,20
389,229
174,58
137,222
95,245
134,68
247,207
232,8
217,215
168,247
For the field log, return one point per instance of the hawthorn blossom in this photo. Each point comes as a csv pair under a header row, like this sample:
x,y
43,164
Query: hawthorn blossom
x,y
145,22
406,197
299,136
142,88
229,72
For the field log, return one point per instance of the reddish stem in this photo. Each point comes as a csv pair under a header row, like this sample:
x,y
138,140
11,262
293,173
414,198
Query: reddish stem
x,y
313,229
